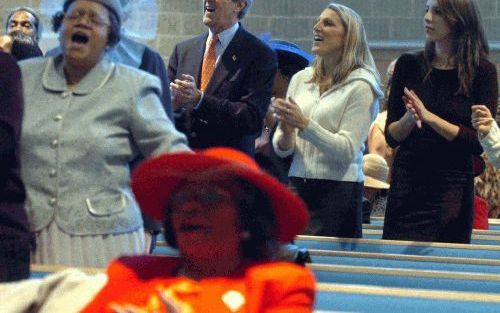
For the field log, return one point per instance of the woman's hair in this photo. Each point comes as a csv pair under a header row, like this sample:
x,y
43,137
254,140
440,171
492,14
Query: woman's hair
x,y
469,40
114,27
256,217
24,47
355,54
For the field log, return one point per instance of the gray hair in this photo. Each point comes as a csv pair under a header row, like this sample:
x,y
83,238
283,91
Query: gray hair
x,y
245,10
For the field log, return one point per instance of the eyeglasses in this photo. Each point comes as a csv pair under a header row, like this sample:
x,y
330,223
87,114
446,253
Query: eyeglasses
x,y
92,17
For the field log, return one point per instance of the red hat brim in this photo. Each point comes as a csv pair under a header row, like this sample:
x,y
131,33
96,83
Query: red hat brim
x,y
154,180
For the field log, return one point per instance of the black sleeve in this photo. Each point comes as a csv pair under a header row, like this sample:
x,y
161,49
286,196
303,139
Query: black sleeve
x,y
11,107
395,105
152,62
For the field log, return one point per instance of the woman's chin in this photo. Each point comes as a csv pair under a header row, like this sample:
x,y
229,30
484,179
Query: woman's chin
x,y
315,50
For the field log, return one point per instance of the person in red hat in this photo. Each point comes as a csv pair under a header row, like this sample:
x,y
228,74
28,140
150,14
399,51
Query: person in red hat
x,y
227,218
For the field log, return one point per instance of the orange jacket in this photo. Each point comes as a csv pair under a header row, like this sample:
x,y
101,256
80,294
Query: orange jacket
x,y
274,287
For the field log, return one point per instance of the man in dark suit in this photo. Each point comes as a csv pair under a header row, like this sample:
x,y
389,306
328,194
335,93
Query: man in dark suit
x,y
221,81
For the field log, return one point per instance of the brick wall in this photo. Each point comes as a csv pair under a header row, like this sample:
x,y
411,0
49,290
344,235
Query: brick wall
x,y
393,26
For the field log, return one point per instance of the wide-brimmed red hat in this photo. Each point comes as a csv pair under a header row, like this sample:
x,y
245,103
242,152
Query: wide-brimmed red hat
x,y
155,179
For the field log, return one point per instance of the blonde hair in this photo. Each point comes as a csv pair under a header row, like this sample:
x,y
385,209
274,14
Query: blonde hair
x,y
356,53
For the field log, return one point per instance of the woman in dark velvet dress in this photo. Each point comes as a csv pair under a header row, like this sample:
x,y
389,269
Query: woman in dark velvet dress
x,y
432,192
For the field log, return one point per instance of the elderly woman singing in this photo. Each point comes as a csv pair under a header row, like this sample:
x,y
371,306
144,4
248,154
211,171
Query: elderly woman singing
x,y
86,119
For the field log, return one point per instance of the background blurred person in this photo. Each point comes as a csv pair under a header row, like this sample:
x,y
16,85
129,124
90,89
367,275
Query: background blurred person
x,y
376,142
25,20
20,46
376,174
291,59
432,191
324,123
16,239
86,119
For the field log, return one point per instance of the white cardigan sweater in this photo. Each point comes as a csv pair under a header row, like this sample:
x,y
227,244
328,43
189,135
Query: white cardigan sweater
x,y
491,145
331,146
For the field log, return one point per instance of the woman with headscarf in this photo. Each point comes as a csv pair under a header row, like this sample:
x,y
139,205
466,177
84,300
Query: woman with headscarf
x,y
86,119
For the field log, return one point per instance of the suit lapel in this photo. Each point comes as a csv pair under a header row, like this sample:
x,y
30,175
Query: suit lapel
x,y
195,59
228,62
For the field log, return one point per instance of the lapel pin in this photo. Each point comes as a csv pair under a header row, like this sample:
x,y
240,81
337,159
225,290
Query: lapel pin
x,y
234,57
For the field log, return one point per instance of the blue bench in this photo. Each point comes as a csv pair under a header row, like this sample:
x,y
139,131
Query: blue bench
x,y
494,224
400,247
407,278
475,232
437,263
478,239
350,298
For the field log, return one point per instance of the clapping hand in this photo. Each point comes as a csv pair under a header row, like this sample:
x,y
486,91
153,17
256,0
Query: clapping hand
x,y
416,107
289,114
184,92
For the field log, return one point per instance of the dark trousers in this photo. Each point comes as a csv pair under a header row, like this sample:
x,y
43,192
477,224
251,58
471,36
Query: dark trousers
x,y
334,206
14,260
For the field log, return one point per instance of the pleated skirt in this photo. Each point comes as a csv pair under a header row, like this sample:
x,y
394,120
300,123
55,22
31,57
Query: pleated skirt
x,y
57,247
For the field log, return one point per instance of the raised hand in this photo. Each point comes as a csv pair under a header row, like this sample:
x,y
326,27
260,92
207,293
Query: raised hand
x,y
184,92
416,107
289,114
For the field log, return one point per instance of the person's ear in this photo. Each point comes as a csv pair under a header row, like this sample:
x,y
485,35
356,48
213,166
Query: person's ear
x,y
240,5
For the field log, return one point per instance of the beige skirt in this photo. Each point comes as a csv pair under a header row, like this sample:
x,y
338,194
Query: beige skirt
x,y
57,247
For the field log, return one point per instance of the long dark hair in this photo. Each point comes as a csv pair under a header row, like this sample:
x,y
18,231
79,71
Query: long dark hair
x,y
256,217
469,40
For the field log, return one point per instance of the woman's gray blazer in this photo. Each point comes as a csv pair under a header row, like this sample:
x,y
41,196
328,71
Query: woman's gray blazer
x,y
76,146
